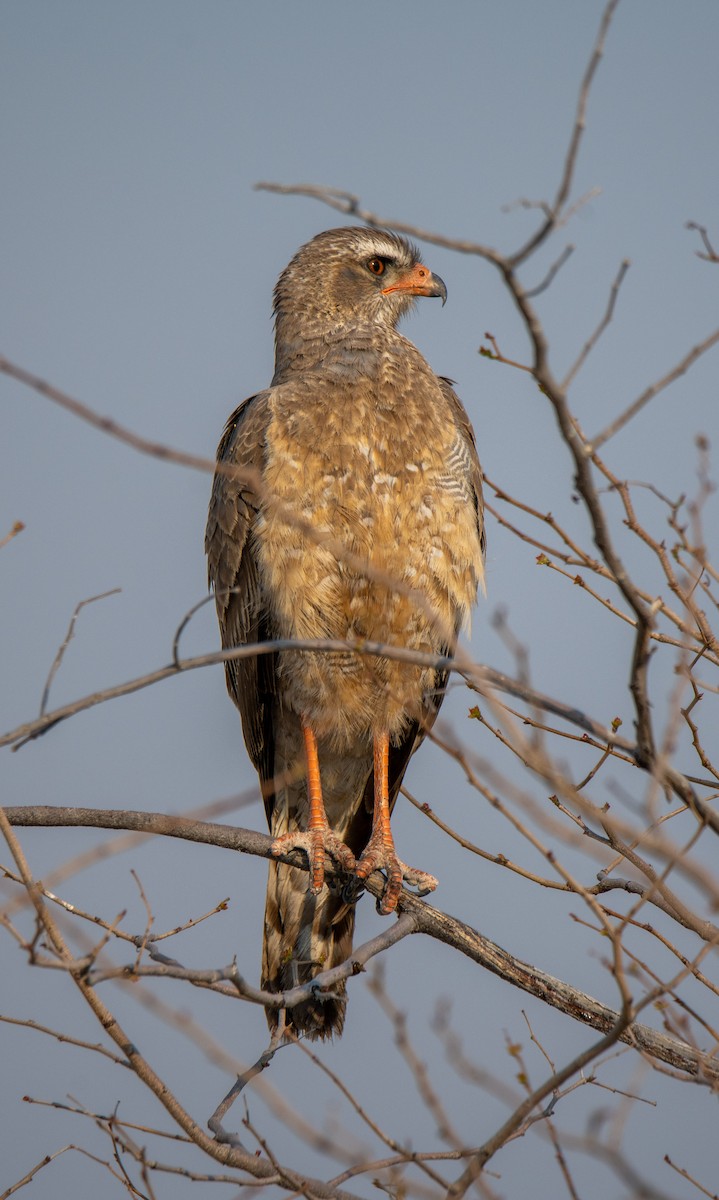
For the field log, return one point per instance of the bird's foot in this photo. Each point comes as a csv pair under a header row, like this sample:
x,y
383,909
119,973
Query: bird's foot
x,y
379,856
316,843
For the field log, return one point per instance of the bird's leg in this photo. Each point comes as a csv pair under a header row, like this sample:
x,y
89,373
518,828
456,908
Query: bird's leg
x,y
319,837
379,851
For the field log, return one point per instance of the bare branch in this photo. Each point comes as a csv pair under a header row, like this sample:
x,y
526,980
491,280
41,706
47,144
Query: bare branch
x,y
32,729
554,212
592,341
653,390
520,1114
553,271
425,918
65,1037
351,206
711,254
418,1069
229,1156
68,638
44,1162
478,677
104,424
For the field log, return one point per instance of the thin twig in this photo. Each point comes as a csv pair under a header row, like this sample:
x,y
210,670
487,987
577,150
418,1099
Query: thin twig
x,y
653,390
553,271
68,638
65,1037
17,527
350,205
592,341
711,254
554,212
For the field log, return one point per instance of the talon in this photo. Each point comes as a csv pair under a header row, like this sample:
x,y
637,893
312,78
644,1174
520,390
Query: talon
x,y
422,882
316,843
381,858
351,889
387,903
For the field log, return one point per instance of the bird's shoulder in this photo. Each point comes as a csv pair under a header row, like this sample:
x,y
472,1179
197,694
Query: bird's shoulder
x,y
238,485
244,432
235,490
457,410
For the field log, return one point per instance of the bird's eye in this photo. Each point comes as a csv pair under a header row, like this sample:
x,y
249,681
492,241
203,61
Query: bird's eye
x,y
376,266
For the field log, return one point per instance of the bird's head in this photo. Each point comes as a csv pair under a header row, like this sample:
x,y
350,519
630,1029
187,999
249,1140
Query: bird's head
x,y
352,277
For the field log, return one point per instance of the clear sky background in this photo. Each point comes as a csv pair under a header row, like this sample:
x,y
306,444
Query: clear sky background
x,y
137,269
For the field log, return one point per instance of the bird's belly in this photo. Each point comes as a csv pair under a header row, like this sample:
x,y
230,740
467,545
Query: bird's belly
x,y
375,551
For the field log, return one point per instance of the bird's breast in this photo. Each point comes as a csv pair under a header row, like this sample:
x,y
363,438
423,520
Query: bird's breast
x,y
368,531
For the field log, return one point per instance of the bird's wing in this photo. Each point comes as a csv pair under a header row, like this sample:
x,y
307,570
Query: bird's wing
x,y
233,573
465,465
469,467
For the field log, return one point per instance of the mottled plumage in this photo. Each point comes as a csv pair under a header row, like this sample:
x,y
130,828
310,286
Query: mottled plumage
x,y
361,517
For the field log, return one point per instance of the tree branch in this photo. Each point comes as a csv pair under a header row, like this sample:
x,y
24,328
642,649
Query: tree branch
x,y
230,1156
426,919
570,160
653,390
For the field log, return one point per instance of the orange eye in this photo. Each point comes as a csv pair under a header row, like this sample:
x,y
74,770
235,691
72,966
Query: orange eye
x,y
376,266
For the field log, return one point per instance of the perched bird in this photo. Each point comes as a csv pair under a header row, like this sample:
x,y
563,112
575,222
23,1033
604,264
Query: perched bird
x,y
355,513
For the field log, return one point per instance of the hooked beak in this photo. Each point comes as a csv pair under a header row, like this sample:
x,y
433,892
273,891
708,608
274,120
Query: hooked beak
x,y
419,282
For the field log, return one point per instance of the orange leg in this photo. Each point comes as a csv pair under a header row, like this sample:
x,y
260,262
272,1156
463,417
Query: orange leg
x,y
319,838
380,851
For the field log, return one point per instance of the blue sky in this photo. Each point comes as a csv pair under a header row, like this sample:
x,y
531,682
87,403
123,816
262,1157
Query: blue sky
x,y
138,265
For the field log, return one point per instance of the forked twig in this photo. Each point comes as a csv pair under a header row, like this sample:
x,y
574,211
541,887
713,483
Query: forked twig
x,y
66,641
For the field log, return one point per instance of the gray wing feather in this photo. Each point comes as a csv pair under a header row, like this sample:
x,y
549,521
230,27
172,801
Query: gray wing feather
x,y
233,573
464,462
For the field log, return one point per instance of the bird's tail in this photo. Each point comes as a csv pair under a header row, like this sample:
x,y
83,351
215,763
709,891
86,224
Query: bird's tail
x,y
304,934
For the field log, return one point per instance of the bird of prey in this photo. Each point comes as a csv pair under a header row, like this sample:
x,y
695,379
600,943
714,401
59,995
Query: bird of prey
x,y
347,505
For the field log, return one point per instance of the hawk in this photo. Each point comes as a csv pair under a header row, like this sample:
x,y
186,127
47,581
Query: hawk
x,y
356,514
